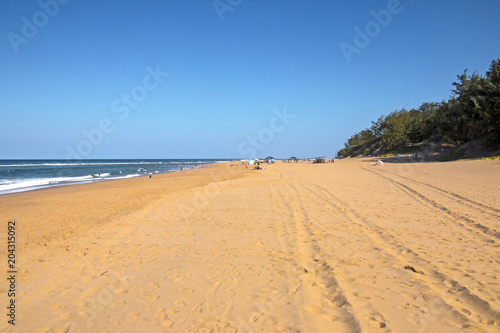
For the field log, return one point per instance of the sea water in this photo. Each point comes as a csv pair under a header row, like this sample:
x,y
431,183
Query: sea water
x,y
23,175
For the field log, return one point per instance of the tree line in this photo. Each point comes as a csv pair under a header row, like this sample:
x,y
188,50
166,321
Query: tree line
x,y
472,112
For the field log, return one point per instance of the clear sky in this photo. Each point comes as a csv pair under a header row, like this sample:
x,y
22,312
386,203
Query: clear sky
x,y
225,78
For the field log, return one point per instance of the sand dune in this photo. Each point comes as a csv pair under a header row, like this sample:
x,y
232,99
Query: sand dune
x,y
343,247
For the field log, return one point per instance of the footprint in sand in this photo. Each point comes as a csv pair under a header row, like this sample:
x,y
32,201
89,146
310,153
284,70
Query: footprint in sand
x,y
377,320
198,308
328,283
180,303
150,297
161,314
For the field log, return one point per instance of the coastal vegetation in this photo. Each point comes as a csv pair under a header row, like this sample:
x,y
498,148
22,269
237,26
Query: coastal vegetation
x,y
472,112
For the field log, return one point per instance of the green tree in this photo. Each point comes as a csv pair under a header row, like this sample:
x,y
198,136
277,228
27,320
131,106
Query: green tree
x,y
491,121
396,130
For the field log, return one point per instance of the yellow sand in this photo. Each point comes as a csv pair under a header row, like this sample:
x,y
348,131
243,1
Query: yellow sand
x,y
343,247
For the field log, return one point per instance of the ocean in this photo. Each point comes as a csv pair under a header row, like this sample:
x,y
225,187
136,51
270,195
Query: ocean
x,y
25,175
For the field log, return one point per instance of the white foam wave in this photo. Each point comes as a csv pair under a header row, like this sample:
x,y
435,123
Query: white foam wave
x,y
129,176
77,164
101,175
24,184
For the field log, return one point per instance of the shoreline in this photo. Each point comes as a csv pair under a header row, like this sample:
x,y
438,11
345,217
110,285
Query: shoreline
x,y
94,179
68,183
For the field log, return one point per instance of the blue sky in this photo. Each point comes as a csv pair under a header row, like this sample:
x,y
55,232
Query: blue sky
x,y
244,77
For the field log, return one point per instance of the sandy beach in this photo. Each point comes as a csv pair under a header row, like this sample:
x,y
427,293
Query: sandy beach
x,y
296,247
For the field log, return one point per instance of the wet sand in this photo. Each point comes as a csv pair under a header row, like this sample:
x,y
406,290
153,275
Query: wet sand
x,y
343,247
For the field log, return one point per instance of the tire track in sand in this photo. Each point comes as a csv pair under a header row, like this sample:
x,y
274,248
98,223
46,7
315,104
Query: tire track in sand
x,y
476,233
367,251
318,291
453,291
490,232
494,212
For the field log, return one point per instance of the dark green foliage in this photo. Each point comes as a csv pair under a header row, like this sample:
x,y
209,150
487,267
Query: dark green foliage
x,y
472,112
492,117
398,125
